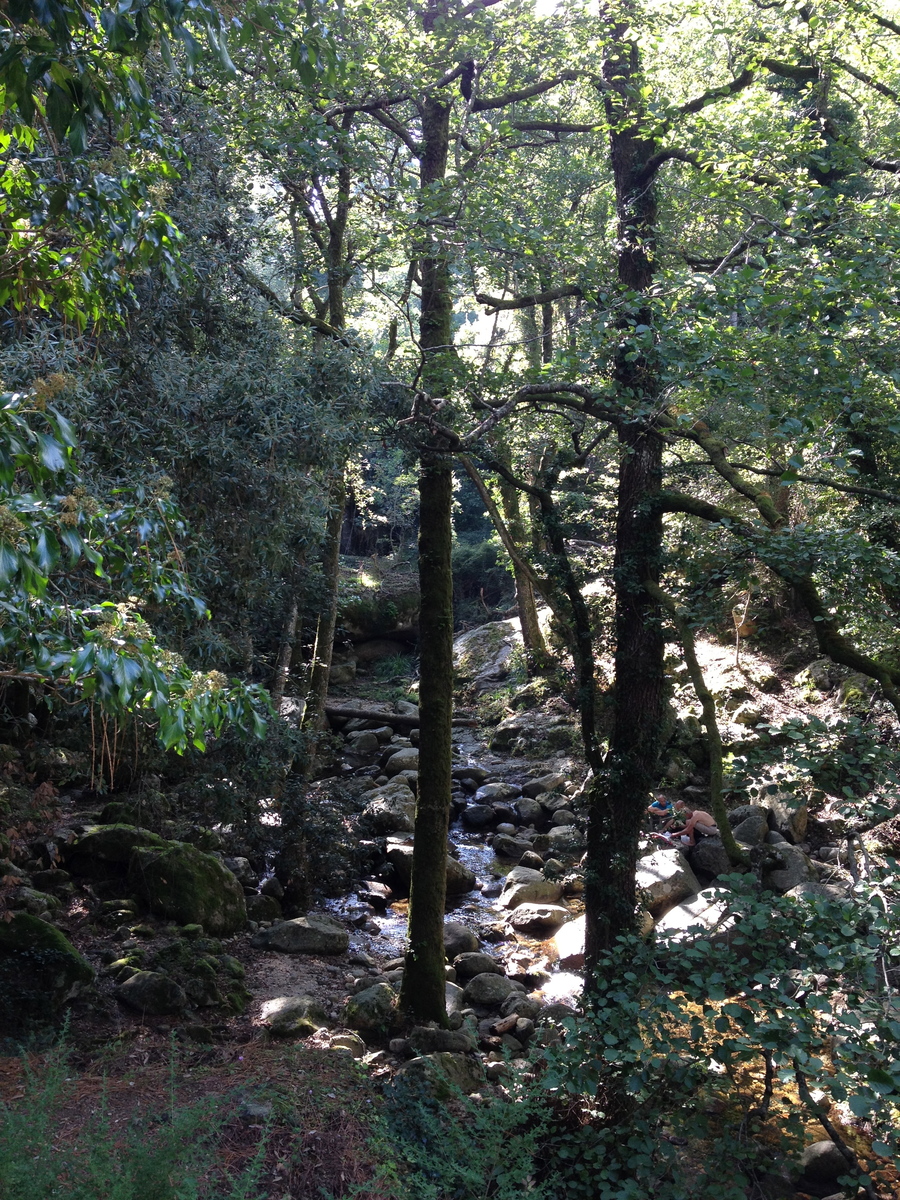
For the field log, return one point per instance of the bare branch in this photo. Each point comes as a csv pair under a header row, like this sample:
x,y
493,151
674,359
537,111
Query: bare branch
x,y
824,481
496,304
400,131
526,93
731,88
866,79
288,311
552,127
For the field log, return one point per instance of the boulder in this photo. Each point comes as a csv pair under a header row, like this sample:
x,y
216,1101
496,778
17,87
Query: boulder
x,y
744,812
316,933
178,881
538,918
487,990
569,944
152,993
454,997
667,879
430,1039
459,878
242,871
545,783
293,1016
102,847
473,963
753,829
390,809
707,912
566,839
823,1163
530,811
812,890
510,847
788,815
563,816
363,743
482,657
478,816
522,1005
710,856
524,886
795,867
496,791
373,1010
446,1073
406,759
30,900
459,939
39,970
263,908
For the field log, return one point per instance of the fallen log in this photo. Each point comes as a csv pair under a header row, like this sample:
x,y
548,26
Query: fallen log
x,y
387,718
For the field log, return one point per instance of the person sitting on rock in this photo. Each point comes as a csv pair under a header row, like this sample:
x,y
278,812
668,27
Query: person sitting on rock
x,y
660,810
698,823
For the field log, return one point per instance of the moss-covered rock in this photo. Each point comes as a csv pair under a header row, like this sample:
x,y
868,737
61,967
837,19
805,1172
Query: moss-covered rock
x,y
182,883
152,992
106,849
39,970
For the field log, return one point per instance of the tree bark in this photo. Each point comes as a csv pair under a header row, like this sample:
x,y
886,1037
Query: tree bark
x,y
314,717
285,652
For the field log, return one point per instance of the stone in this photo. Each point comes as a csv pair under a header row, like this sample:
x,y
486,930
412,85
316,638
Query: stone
x,y
316,933
101,847
459,878
532,860
293,1016
788,815
446,1072
530,812
32,901
363,743
242,871
39,970
487,990
180,882
537,890
473,963
666,878
753,829
402,760
569,944
748,715
746,812
373,1010
454,997
710,856
152,993
795,867
390,809
483,657
459,939
352,1043
566,839
823,1162
471,774
478,816
538,918
707,912
523,1006
496,791
373,892
430,1039
263,908
510,847
545,783
563,816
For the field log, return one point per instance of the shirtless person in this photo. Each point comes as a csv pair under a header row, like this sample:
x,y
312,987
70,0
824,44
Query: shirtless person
x,y
700,822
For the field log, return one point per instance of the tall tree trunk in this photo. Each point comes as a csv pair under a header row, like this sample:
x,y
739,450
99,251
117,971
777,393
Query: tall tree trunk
x,y
423,991
536,656
619,795
314,718
285,651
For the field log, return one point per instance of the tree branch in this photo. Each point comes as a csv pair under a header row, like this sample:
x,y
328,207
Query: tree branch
x,y
496,304
866,79
731,88
398,130
290,313
824,481
551,127
525,93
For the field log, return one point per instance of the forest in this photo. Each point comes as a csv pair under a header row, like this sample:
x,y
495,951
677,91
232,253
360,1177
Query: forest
x,y
430,434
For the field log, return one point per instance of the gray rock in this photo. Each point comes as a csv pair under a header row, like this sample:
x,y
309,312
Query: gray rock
x,y
471,774
446,1072
455,999
538,890
402,760
774,838
30,900
496,791
569,945
487,990
545,783
180,882
667,879
429,1039
483,656
744,812
530,811
459,939
351,1042
707,912
533,861
566,839
789,816
363,743
293,1016
538,918
508,847
391,808
263,908
524,1006
39,970
459,878
563,816
373,1010
316,933
272,887
478,816
469,965
753,829
710,856
151,992
242,871
795,868
823,1162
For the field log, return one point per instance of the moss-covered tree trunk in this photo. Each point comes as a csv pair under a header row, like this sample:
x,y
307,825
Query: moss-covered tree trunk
x,y
620,794
314,718
423,992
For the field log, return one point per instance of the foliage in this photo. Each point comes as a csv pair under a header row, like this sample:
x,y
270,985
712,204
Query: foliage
x,y
167,1155
57,546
